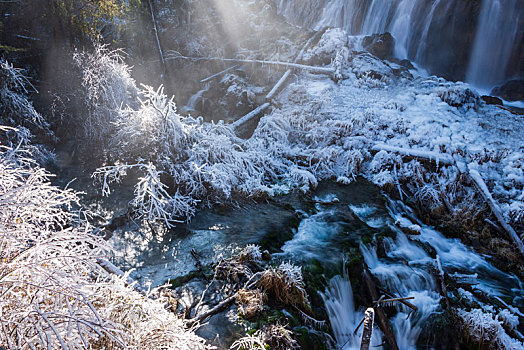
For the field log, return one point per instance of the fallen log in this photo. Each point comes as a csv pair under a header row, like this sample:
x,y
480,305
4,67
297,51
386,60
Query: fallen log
x,y
368,329
205,80
286,75
381,316
484,191
439,158
312,69
237,124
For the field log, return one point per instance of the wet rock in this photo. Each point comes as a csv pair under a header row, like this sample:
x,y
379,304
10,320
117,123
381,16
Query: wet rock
x,y
513,90
491,100
408,227
380,45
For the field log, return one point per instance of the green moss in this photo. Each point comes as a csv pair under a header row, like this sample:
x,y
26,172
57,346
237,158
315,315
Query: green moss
x,y
9,49
206,272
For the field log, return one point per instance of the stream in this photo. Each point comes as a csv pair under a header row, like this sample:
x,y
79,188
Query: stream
x,y
327,227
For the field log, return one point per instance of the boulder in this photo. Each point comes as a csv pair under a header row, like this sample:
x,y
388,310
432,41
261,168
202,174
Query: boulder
x,y
491,100
380,45
512,90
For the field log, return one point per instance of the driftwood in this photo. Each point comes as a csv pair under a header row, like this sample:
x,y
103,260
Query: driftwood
x,y
381,316
484,191
368,329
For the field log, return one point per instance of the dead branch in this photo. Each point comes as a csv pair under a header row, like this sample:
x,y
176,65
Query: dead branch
x,y
442,283
484,191
368,329
382,318
401,300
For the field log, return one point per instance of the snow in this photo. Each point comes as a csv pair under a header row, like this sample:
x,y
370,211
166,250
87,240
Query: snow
x,y
329,130
484,327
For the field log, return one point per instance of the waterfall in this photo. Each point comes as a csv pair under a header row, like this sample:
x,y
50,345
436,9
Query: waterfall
x,y
498,31
406,270
343,316
456,39
191,103
423,38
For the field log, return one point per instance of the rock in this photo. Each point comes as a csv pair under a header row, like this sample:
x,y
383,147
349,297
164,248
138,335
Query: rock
x,y
332,41
380,45
513,90
407,227
491,100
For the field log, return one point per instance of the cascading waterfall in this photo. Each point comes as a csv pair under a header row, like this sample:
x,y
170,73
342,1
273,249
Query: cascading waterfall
x,y
343,316
435,34
498,32
193,100
406,271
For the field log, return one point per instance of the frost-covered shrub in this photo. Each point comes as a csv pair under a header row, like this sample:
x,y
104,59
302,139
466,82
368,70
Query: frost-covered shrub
x,y
485,328
333,42
107,87
273,336
459,96
285,284
18,112
54,293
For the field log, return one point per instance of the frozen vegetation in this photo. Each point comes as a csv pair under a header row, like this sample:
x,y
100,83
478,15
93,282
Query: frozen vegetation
x,y
416,136
54,293
361,125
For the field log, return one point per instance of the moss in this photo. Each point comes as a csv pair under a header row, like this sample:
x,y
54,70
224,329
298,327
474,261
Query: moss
x,y
9,49
309,339
206,272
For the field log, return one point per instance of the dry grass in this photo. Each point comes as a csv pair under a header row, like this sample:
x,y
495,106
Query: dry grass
x,y
250,302
285,284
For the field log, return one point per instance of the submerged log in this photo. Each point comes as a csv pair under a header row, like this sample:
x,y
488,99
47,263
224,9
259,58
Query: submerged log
x,y
368,329
484,191
383,322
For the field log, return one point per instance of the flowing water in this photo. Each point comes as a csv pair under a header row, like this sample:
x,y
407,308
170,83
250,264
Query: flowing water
x,y
193,100
500,28
425,30
332,222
